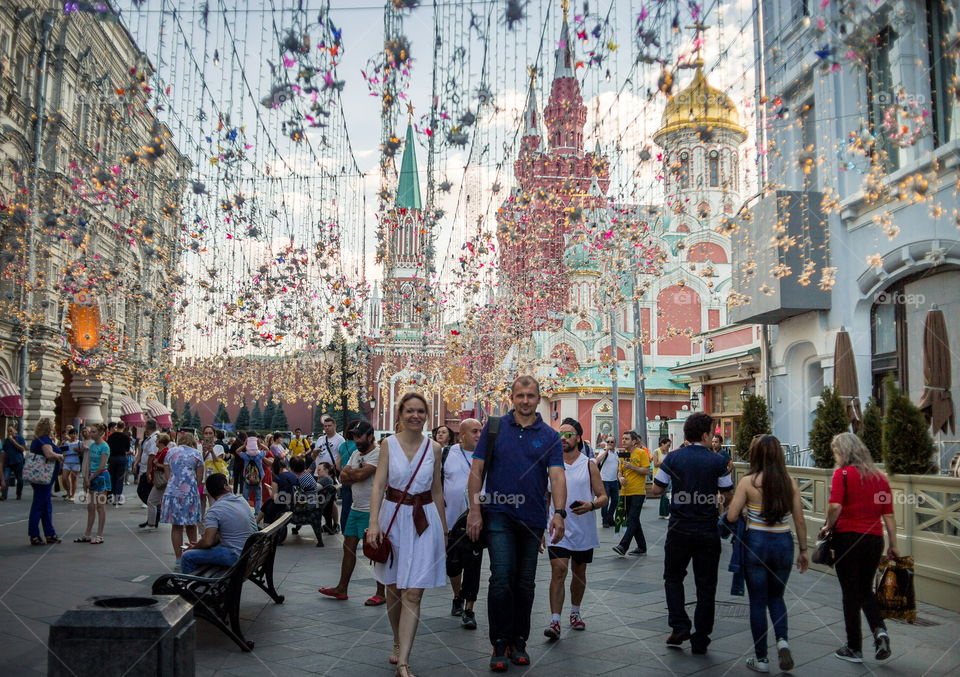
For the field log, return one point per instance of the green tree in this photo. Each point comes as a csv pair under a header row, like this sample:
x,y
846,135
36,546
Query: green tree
x,y
269,412
256,416
221,416
754,421
185,417
829,421
871,432
279,422
243,417
195,421
319,411
907,446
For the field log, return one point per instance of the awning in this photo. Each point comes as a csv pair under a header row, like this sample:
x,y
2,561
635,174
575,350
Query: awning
x,y
131,413
845,378
936,403
160,414
11,404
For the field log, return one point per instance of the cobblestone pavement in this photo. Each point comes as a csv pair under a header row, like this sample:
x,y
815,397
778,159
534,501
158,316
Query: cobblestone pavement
x,y
624,611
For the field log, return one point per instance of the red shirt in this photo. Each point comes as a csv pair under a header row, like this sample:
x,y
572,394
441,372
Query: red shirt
x,y
865,499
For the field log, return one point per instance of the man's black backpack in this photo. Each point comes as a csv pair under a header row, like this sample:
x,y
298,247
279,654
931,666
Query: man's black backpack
x,y
458,539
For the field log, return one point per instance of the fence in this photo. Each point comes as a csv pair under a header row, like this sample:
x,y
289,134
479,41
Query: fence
x,y
927,510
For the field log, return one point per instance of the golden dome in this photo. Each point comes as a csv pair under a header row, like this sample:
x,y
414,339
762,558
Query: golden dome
x,y
699,105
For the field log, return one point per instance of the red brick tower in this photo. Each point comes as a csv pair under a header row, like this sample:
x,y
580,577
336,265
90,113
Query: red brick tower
x,y
551,198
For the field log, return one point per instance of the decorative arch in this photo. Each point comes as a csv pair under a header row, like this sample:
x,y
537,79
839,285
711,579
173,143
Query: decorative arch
x,y
679,316
566,358
565,338
699,252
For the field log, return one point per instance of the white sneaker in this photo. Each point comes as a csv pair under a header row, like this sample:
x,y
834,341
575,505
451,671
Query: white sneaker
x,y
758,664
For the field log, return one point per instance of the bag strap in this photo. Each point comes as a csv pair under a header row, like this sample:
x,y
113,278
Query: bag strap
x,y
493,430
409,484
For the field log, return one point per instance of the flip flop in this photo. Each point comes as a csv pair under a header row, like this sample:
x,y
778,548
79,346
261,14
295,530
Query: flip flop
x,y
332,592
96,540
375,600
82,539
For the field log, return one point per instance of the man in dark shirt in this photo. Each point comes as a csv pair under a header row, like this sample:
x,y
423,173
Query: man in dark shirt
x,y
119,443
698,475
526,451
13,448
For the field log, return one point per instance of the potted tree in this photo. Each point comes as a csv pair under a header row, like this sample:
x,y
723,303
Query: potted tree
x,y
830,419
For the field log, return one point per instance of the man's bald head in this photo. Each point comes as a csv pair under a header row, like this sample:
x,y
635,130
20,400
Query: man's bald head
x,y
470,433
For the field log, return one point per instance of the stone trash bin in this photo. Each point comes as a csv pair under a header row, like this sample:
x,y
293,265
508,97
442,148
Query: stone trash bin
x,y
133,636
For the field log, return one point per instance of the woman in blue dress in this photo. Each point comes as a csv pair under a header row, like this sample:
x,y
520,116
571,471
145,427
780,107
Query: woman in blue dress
x,y
181,498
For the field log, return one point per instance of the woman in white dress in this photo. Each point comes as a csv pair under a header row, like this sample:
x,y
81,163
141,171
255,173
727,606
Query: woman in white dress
x,y
418,535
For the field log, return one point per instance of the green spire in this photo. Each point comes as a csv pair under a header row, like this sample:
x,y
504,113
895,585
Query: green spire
x,y
408,190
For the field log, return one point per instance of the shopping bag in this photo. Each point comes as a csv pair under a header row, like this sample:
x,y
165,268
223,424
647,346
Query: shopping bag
x,y
895,593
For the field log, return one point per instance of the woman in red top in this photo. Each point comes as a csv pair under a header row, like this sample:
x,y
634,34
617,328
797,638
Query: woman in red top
x,y
861,506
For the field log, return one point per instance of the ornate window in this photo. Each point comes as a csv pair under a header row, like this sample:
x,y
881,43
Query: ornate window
x,y
713,166
684,170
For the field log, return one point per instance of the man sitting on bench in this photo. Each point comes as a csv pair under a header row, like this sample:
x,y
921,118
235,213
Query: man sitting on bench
x,y
226,527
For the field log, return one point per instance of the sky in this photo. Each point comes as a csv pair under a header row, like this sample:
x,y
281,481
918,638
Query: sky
x,y
215,67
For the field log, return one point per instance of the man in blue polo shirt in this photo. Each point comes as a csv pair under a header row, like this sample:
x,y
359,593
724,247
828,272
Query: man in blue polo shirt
x,y
699,476
526,451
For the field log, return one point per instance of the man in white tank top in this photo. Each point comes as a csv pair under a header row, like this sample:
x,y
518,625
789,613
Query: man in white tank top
x,y
585,493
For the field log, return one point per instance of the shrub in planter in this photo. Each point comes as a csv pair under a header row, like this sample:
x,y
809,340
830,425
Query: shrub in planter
x,y
830,420
907,446
871,432
754,420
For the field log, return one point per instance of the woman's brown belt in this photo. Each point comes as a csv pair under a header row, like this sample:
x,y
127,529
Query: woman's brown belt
x,y
417,501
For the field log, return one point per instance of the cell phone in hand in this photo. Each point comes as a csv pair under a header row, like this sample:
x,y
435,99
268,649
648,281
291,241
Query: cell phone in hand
x,y
576,504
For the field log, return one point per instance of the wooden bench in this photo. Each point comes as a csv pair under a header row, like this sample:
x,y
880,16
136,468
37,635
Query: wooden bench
x,y
215,591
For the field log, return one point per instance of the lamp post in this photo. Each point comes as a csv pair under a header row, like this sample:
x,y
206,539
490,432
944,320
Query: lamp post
x,y
334,353
694,400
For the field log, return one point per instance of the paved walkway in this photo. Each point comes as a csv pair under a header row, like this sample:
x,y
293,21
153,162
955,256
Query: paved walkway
x,y
624,610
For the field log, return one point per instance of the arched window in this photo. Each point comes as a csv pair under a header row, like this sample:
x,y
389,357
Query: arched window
x,y
684,170
713,166
406,303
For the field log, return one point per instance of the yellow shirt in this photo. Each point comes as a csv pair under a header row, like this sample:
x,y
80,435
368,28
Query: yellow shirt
x,y
635,483
298,447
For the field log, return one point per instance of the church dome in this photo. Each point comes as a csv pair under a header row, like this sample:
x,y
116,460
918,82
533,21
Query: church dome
x,y
579,258
698,106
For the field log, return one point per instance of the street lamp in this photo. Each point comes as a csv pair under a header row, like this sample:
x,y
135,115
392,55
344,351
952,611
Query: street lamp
x,y
694,400
331,354
746,392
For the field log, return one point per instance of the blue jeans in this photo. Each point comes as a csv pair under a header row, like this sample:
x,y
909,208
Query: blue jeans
x,y
608,513
767,561
41,509
257,490
192,560
514,548
634,528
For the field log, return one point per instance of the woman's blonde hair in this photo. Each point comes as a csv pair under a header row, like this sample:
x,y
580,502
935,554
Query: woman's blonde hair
x,y
43,428
163,439
187,439
850,450
403,403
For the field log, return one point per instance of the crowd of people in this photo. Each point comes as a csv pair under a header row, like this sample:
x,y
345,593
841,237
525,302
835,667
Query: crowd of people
x,y
515,487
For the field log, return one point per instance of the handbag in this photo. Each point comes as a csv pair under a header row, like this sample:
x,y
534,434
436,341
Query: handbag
x,y
458,531
384,551
37,469
895,593
823,553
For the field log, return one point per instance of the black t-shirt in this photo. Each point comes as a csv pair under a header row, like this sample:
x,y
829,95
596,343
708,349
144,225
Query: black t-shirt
x,y
119,444
697,475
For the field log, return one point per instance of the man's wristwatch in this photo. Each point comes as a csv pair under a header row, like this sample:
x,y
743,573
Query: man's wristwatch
x,y
561,512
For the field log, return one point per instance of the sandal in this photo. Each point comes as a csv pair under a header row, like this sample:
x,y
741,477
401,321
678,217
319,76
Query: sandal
x,y
53,540
332,592
375,600
82,539
36,540
96,540
395,656
403,670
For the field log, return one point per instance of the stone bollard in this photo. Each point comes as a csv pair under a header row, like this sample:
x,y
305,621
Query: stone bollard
x,y
130,636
